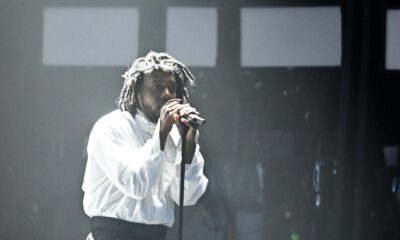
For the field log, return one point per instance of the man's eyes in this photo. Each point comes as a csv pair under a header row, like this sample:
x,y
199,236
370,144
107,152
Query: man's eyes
x,y
158,87
161,88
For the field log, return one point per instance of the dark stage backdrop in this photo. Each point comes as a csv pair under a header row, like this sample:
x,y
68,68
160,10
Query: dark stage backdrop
x,y
291,152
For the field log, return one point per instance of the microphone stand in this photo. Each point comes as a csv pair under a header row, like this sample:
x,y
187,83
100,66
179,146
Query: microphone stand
x,y
183,130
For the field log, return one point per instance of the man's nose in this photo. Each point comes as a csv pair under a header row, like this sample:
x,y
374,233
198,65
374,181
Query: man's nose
x,y
167,94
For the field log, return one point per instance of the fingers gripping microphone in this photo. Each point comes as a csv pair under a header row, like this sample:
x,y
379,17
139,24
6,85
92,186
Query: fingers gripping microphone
x,y
193,120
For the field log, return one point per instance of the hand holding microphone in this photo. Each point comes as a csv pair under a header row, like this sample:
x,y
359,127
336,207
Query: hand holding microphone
x,y
193,120
190,116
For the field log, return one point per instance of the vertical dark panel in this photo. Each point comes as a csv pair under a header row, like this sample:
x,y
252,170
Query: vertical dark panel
x,y
152,27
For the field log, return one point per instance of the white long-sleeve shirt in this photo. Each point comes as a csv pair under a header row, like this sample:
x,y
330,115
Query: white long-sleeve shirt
x,y
127,175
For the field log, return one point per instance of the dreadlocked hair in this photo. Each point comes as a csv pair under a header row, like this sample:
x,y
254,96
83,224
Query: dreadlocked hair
x,y
133,77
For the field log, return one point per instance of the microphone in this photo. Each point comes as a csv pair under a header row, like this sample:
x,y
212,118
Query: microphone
x,y
193,120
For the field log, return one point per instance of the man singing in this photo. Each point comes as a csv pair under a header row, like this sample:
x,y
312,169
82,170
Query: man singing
x,y
132,174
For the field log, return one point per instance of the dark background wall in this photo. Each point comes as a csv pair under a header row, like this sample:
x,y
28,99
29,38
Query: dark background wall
x,y
279,121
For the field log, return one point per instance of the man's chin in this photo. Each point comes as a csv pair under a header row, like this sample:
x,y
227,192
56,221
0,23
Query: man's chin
x,y
155,115
152,115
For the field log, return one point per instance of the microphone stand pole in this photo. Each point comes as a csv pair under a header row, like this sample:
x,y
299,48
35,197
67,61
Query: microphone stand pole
x,y
183,130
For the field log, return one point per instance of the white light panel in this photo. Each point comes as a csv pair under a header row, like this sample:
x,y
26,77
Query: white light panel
x,y
192,35
291,36
90,36
393,40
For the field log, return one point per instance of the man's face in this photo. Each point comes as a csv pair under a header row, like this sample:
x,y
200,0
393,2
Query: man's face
x,y
157,87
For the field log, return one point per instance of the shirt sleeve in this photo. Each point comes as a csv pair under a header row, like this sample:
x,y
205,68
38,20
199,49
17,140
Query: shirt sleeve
x,y
195,181
132,169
